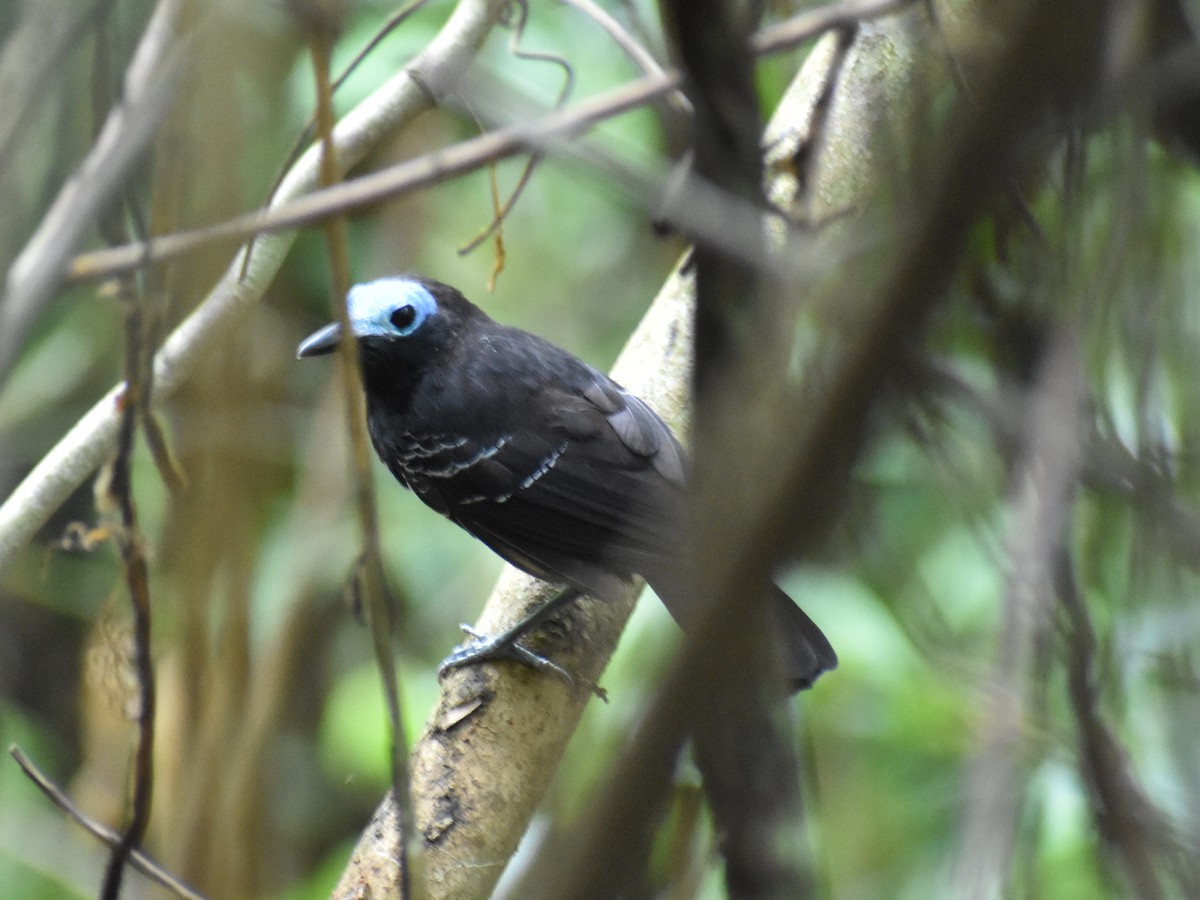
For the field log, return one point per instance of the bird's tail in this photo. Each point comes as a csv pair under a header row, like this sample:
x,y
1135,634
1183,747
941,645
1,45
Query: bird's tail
x,y
806,651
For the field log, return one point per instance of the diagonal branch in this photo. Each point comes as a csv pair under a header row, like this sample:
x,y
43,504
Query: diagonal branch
x,y
370,577
1043,492
137,858
424,82
149,85
440,165
481,765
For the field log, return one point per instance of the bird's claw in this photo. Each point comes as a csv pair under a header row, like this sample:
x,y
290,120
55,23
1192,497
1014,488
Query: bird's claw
x,y
482,648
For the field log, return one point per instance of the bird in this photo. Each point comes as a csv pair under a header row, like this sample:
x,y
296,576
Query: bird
x,y
545,459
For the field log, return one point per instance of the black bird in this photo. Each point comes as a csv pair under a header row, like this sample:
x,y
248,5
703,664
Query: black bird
x,y
548,461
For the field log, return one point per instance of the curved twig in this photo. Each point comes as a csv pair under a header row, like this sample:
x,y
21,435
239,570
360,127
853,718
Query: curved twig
x,y
426,80
394,21
502,211
149,84
641,57
137,858
290,211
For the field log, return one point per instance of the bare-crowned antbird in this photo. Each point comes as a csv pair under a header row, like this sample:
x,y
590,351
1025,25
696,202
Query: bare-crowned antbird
x,y
548,461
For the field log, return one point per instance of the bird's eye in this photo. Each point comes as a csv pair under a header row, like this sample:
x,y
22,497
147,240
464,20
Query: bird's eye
x,y
403,316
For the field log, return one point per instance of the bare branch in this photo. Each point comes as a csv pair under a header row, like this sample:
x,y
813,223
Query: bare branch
x,y
425,81
138,859
1051,459
38,270
481,765
550,130
370,575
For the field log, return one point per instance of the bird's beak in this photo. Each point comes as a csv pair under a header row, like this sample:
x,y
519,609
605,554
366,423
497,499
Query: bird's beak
x,y
320,342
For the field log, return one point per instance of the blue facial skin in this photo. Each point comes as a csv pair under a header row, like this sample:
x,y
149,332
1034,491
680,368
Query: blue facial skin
x,y
389,307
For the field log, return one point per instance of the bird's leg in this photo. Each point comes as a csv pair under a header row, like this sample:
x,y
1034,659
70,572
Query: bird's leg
x,y
504,645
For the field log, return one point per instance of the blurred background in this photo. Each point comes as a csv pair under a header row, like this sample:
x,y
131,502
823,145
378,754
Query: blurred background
x,y
272,736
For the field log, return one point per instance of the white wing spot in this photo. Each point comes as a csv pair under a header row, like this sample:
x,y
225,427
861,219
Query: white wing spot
x,y
413,448
453,467
489,452
546,465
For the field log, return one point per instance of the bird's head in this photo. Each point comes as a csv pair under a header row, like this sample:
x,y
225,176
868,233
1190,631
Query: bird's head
x,y
392,316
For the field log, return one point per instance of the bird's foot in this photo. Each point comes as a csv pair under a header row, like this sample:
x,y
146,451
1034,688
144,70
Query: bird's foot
x,y
482,648
485,648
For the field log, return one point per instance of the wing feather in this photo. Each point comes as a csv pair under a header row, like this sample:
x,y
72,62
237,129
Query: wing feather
x,y
587,491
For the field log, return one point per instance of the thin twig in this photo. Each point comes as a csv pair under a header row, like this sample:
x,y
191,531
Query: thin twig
x,y
91,440
641,57
1125,817
795,31
502,211
160,451
1044,488
430,169
137,858
394,21
458,158
370,570
118,489
38,270
137,579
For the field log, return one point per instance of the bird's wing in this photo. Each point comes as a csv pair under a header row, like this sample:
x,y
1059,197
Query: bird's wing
x,y
586,491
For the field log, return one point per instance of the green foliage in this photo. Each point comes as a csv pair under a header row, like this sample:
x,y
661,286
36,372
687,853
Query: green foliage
x,y
266,676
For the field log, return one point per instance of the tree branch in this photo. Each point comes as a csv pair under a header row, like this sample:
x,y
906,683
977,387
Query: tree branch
x,y
424,82
497,731
445,163
1043,492
138,859
38,270
803,454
